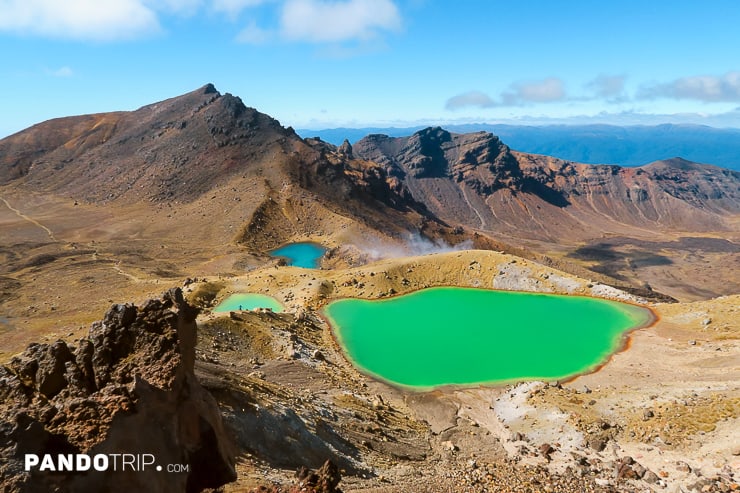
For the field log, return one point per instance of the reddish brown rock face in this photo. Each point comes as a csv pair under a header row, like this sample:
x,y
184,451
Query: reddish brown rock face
x,y
128,388
476,180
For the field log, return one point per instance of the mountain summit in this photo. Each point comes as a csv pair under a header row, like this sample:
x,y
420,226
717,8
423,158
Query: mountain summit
x,y
177,148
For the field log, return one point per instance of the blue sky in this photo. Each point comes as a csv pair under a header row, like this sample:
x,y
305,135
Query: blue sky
x,y
328,63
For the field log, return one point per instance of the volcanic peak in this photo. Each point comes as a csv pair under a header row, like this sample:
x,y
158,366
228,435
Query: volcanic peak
x,y
178,148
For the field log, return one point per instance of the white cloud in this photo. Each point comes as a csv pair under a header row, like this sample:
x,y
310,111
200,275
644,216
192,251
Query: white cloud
x,y
706,88
103,20
253,34
470,98
321,21
314,21
79,19
545,91
607,86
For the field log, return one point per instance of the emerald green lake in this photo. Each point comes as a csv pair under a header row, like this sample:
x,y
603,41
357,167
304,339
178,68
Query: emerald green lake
x,y
464,336
305,254
248,301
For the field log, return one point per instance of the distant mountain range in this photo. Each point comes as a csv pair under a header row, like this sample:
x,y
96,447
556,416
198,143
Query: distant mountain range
x,y
591,144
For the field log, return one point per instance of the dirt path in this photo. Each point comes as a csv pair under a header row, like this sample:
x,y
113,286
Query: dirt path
x,y
116,263
29,219
117,268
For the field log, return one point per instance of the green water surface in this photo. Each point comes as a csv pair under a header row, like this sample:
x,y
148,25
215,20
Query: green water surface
x,y
463,336
248,301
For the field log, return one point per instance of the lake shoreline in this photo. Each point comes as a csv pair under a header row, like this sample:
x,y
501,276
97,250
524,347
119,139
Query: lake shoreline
x,y
619,308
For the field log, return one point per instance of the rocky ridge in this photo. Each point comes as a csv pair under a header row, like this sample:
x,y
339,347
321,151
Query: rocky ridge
x,y
479,159
476,180
179,149
175,149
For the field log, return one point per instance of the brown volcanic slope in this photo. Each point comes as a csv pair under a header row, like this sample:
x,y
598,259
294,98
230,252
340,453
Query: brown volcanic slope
x,y
102,207
174,150
629,223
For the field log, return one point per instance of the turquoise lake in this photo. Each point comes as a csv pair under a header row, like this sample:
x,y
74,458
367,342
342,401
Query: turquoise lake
x,y
463,336
306,254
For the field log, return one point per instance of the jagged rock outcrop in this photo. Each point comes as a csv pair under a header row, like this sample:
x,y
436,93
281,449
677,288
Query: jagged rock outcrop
x,y
128,388
479,159
336,175
345,149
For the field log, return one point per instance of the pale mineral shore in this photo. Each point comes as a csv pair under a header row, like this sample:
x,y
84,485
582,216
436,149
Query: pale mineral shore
x,y
664,410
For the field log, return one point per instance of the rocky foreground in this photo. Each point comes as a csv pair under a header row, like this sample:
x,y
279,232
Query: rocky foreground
x,y
127,388
275,408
